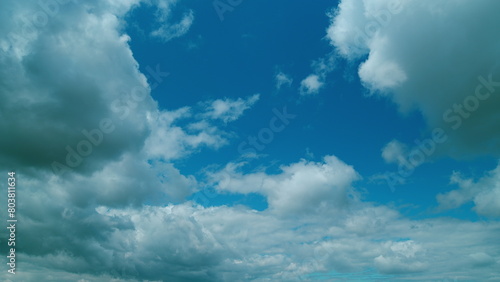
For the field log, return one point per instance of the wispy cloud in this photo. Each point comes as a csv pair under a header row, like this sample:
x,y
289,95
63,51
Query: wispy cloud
x,y
227,109
282,80
168,31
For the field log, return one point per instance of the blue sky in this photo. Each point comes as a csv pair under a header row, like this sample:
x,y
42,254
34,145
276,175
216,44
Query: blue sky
x,y
135,119
240,56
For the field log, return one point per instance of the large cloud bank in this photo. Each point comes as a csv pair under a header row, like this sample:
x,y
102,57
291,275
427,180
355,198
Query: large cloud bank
x,y
119,210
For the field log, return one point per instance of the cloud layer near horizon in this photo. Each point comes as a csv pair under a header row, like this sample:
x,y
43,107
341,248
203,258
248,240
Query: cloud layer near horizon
x,y
107,221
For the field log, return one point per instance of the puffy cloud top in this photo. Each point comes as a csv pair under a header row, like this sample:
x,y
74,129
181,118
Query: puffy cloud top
x,y
439,57
301,188
66,69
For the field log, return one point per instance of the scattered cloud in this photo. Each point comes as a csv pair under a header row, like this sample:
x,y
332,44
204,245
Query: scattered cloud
x,y
315,81
395,152
229,110
170,141
311,85
484,193
168,31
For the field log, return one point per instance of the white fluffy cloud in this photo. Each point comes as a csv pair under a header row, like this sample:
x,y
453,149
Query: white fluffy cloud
x,y
484,193
452,81
301,188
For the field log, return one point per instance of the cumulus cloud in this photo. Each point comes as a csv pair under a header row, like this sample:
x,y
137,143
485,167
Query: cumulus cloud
x,y
484,193
403,55
190,242
64,75
229,110
301,188
105,217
